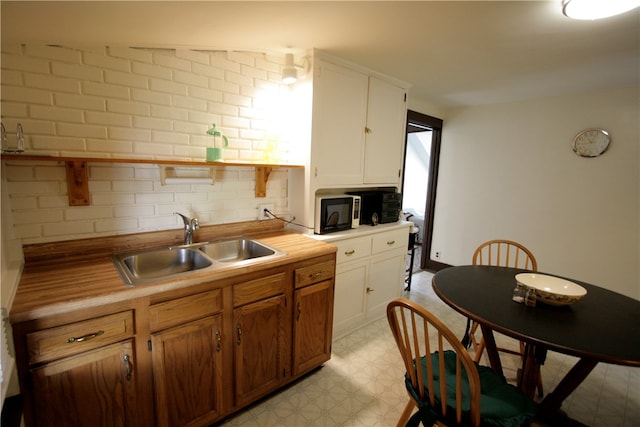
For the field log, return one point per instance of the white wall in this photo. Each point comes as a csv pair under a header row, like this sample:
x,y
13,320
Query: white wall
x,y
138,103
508,171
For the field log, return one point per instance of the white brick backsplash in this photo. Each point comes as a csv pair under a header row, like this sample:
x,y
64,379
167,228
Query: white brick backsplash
x,y
107,119
54,52
89,131
126,79
106,90
136,54
208,94
151,70
167,86
80,102
55,113
24,63
58,84
190,79
106,62
153,103
150,97
80,72
56,143
28,95
206,70
102,146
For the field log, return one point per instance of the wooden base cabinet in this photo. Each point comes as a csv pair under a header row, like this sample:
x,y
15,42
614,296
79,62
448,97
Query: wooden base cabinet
x,y
185,357
187,373
95,388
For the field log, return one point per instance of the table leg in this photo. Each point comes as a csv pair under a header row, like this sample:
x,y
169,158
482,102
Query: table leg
x,y
553,401
492,350
534,356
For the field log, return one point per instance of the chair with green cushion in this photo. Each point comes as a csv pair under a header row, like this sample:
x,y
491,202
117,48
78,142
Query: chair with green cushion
x,y
466,394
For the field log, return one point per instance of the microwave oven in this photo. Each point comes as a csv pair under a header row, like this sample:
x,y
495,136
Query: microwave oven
x,y
336,212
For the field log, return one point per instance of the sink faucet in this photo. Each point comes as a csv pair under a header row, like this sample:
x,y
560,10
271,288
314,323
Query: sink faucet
x,y
190,225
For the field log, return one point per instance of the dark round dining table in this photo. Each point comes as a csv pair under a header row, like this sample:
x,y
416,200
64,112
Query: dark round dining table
x,y
600,327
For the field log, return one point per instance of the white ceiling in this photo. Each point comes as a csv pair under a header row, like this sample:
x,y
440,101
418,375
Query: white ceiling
x,y
451,52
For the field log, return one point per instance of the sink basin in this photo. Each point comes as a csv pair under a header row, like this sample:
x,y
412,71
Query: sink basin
x,y
152,264
237,250
147,265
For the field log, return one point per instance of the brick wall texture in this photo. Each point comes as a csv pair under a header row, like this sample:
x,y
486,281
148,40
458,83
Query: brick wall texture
x,y
120,102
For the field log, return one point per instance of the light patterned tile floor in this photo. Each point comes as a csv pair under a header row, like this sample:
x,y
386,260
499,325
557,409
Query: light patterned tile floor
x,y
362,385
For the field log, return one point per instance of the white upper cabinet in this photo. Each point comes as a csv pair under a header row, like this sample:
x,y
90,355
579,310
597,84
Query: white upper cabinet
x,y
357,128
384,146
339,117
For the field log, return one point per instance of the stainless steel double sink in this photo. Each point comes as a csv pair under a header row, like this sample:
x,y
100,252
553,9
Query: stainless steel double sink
x,y
148,265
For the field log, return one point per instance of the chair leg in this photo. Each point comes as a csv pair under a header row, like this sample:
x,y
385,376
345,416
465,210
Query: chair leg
x,y
479,351
406,414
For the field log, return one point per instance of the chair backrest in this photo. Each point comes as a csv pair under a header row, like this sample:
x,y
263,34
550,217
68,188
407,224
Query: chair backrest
x,y
418,333
505,253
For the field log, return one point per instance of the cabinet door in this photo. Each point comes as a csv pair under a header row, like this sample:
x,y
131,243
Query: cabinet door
x,y
349,310
313,316
261,358
386,122
386,281
95,388
187,372
339,115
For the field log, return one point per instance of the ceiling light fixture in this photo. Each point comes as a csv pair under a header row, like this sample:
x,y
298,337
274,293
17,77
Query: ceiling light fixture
x,y
596,9
289,72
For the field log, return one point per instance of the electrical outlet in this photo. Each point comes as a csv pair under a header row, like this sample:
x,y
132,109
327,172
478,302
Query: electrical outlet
x,y
437,255
262,215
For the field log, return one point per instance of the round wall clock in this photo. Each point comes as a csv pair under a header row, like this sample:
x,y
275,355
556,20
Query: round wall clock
x,y
591,142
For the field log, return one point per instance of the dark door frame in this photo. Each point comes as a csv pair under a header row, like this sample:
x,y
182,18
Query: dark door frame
x,y
435,125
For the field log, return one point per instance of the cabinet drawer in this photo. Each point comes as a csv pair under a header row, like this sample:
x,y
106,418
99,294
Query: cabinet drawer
x,y
258,289
351,249
53,343
390,240
181,310
314,273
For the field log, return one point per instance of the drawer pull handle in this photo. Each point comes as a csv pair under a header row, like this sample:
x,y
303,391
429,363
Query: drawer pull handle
x,y
85,337
127,366
391,242
218,340
349,253
316,274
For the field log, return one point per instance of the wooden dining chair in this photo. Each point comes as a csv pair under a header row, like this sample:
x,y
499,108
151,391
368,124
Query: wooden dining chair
x,y
443,382
504,253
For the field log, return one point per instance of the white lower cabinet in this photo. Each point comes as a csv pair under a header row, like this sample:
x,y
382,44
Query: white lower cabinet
x,y
369,273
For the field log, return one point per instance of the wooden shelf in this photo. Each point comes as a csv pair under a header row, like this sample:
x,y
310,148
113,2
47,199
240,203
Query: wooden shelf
x,y
78,178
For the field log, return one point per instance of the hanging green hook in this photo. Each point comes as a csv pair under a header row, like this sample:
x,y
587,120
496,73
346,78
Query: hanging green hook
x,y
214,132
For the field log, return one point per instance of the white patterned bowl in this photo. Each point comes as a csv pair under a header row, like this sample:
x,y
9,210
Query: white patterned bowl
x,y
552,290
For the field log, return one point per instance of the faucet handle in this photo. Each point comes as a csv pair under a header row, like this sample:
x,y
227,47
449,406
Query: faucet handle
x,y
195,224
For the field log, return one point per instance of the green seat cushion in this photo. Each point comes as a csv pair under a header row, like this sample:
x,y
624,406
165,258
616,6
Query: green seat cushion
x,y
501,404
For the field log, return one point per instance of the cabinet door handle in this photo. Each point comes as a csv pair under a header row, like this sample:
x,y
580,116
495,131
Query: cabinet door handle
x,y
367,130
299,311
218,340
391,242
127,366
85,337
349,253
369,290
316,274
239,329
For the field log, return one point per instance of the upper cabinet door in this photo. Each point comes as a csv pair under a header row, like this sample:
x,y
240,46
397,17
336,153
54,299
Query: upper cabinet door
x,y
339,116
385,132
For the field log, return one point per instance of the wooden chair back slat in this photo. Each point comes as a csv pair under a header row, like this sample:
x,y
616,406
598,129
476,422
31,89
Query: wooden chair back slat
x,y
416,332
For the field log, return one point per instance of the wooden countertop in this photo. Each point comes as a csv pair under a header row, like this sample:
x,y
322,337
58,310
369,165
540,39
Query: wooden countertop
x,y
55,286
